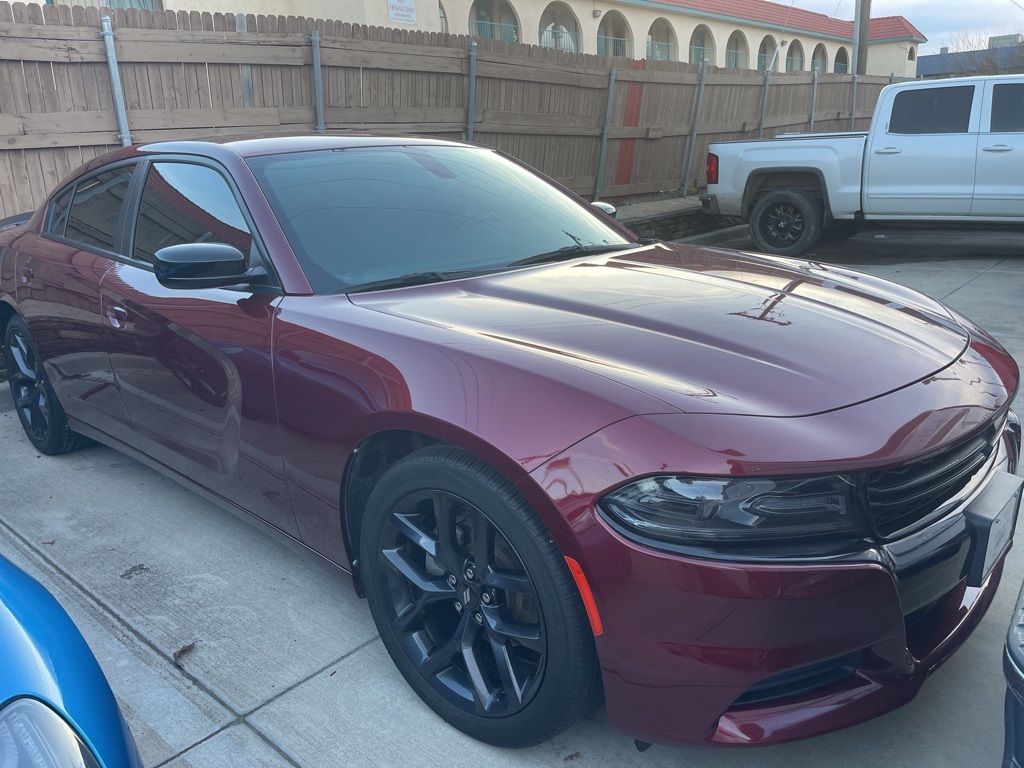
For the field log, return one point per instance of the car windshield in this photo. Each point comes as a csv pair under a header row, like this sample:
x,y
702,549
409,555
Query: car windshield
x,y
365,217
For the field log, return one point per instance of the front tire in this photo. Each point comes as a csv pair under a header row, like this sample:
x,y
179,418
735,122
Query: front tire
x,y
39,411
786,222
474,601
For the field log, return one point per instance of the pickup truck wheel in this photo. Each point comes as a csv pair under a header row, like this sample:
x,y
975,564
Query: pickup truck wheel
x,y
842,230
786,222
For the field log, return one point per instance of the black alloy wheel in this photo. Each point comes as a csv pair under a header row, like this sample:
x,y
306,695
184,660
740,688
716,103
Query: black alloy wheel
x,y
473,601
40,413
786,222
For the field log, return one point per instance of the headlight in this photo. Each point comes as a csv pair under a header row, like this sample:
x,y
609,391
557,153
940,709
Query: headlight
x,y
34,736
738,514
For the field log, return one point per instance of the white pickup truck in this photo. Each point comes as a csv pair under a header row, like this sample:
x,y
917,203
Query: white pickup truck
x,y
937,150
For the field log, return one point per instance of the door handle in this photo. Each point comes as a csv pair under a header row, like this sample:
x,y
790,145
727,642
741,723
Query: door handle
x,y
888,151
26,274
118,316
998,148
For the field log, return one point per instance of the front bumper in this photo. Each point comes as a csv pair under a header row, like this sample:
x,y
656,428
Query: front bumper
x,y
702,651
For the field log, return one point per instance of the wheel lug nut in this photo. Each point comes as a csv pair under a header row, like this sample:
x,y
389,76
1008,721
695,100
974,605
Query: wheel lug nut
x,y
458,606
452,581
478,618
470,573
486,598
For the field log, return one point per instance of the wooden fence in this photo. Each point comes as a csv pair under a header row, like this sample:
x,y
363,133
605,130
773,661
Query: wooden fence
x,y
191,74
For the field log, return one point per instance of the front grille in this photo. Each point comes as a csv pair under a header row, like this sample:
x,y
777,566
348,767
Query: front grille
x,y
899,499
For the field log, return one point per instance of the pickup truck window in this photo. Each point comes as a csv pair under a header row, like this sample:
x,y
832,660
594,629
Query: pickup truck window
x,y
1008,108
932,110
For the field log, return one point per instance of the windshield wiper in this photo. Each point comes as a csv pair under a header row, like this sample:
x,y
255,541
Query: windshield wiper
x,y
572,252
414,278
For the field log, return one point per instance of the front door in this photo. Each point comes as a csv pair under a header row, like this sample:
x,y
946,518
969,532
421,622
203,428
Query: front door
x,y
194,366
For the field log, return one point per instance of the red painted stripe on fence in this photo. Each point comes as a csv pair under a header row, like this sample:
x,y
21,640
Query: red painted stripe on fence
x,y
631,117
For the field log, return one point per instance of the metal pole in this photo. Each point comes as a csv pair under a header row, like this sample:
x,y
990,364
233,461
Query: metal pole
x,y
117,91
853,110
471,99
865,41
696,119
604,135
858,9
814,96
764,103
318,82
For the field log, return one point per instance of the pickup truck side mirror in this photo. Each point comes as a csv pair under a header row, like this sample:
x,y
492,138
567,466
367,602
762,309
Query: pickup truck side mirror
x,y
200,265
604,207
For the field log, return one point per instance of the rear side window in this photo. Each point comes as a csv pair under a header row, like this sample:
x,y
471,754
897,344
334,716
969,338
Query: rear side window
x,y
184,203
932,110
1008,108
96,209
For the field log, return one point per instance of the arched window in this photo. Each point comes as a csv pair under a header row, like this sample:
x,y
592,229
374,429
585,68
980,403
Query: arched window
x,y
737,55
766,55
911,55
794,56
661,42
494,20
702,45
559,28
819,60
443,16
842,65
614,37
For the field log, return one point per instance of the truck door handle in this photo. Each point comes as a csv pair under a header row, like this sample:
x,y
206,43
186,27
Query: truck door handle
x,y
998,148
118,316
888,151
27,274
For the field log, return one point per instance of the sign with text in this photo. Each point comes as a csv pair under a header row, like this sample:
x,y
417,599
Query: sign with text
x,y
402,11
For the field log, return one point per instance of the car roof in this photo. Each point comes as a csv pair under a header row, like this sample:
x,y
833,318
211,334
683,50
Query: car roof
x,y
250,145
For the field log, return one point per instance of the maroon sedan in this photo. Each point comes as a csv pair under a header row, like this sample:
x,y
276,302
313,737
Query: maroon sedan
x,y
753,499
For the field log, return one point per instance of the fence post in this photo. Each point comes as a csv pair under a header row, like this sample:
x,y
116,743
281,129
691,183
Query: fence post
x,y
764,102
471,98
318,82
117,91
814,97
248,97
604,134
698,104
853,108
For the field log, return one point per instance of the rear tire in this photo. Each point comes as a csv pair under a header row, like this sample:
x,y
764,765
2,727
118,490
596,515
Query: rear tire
x,y
474,601
786,222
40,413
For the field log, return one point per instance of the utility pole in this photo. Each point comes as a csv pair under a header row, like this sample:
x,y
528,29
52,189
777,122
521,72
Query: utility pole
x,y
861,35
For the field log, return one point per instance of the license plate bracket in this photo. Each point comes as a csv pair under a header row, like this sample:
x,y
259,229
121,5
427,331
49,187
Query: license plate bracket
x,y
993,518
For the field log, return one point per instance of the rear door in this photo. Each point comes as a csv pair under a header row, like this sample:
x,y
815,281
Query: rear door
x,y
58,292
921,162
999,180
194,366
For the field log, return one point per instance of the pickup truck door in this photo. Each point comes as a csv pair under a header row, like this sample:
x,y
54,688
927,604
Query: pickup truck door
x,y
921,154
998,187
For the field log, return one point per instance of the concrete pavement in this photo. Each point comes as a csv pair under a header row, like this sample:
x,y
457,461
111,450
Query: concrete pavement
x,y
226,649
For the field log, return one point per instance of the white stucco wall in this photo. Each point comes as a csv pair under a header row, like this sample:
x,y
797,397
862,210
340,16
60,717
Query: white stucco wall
x,y
883,58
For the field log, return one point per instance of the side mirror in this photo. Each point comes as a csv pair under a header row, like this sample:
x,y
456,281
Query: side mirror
x,y
200,265
604,207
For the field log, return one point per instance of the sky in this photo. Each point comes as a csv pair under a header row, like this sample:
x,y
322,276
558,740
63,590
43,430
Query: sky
x,y
942,22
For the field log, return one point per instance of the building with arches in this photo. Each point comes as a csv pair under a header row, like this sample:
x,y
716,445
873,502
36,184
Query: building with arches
x,y
742,34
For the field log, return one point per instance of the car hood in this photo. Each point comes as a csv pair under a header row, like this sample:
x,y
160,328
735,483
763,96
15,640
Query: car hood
x,y
704,330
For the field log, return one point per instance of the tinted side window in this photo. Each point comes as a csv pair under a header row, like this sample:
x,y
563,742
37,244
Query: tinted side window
x,y
1008,108
932,110
95,212
59,213
183,203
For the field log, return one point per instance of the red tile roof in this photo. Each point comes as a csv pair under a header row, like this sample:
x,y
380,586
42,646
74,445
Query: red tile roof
x,y
782,16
